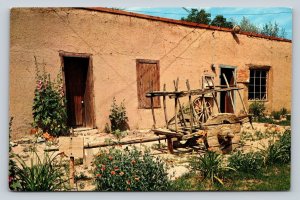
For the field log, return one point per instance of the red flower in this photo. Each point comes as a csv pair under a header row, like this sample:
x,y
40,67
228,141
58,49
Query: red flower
x,y
133,162
128,182
99,175
103,167
121,173
110,157
116,168
113,172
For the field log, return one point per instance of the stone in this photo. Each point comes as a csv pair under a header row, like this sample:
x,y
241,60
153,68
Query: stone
x,y
40,140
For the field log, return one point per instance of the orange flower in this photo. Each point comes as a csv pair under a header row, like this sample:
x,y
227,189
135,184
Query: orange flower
x,y
128,189
110,157
121,173
133,162
137,178
99,175
113,172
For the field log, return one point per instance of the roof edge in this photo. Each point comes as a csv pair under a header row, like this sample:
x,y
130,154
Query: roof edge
x,y
180,22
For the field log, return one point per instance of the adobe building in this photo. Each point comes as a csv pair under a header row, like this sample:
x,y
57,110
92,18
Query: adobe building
x,y
111,53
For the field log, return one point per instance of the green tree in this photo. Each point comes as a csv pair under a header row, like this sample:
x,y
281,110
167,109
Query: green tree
x,y
221,21
247,26
197,16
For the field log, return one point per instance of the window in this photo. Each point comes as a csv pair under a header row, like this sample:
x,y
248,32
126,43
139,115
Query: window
x,y
258,84
147,80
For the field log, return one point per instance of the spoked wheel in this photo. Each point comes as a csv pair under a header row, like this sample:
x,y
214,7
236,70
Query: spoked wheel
x,y
202,108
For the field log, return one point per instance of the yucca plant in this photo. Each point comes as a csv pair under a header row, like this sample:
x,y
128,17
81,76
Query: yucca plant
x,y
211,166
45,174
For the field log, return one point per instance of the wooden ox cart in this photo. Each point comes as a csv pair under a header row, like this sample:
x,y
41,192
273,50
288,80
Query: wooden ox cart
x,y
198,122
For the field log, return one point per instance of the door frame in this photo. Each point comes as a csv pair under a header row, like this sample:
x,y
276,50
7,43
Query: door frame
x,y
63,54
222,66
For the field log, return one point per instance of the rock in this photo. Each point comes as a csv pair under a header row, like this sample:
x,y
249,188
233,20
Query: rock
x,y
24,141
13,144
40,139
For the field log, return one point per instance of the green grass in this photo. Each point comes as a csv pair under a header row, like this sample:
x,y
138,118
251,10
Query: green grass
x,y
273,178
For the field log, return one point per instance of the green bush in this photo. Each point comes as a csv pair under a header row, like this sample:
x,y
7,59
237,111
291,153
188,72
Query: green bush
x,y
118,118
257,109
248,162
49,105
129,170
210,165
42,175
280,151
283,111
276,114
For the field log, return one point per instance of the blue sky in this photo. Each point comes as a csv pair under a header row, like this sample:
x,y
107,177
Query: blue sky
x,y
259,16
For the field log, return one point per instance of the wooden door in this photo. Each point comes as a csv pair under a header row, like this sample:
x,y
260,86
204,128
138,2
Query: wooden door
x,y
75,70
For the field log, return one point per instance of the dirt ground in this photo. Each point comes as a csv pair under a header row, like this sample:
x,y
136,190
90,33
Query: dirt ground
x,y
177,163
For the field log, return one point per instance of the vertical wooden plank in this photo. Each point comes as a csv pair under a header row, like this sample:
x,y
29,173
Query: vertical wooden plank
x,y
176,128
180,107
191,106
238,91
170,145
165,107
213,94
229,92
72,172
152,108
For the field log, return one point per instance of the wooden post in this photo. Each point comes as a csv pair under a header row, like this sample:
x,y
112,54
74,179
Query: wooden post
x,y
191,106
170,145
72,172
180,107
165,108
152,106
229,92
176,102
242,100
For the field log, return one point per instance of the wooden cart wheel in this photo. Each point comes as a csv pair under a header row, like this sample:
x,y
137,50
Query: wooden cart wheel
x,y
202,108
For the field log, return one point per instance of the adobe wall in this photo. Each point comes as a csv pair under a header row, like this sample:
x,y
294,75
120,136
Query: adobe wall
x,y
116,42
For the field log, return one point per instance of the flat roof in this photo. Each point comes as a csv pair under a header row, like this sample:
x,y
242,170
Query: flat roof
x,y
180,22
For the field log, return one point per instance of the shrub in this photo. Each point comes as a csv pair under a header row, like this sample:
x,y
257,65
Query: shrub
x,y
129,170
283,111
210,165
41,175
249,162
118,118
49,105
280,151
276,114
257,109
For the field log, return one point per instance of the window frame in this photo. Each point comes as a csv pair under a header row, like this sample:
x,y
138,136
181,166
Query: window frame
x,y
266,69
